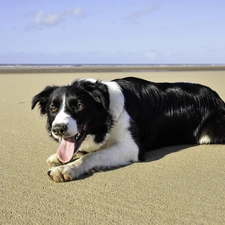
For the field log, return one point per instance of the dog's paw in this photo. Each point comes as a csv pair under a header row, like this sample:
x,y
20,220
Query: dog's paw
x,y
53,161
62,173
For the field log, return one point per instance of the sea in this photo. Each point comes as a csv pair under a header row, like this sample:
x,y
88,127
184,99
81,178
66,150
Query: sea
x,y
59,68
100,65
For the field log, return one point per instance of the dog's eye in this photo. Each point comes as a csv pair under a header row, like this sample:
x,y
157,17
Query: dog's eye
x,y
78,106
53,109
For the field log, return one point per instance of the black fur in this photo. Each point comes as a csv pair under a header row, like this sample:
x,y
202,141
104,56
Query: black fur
x,y
173,113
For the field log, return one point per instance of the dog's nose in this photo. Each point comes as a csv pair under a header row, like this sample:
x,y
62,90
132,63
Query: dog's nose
x,y
59,129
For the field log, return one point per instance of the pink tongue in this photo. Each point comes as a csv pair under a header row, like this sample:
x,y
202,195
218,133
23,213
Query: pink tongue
x,y
65,151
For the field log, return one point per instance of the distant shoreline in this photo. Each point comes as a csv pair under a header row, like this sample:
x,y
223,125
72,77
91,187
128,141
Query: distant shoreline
x,y
116,68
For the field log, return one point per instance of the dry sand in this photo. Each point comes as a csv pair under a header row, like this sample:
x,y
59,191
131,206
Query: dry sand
x,y
176,185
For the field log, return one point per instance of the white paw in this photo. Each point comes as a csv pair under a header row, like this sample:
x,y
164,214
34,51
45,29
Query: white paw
x,y
64,173
53,161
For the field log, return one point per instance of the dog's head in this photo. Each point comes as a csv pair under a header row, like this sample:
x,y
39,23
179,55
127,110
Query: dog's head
x,y
73,112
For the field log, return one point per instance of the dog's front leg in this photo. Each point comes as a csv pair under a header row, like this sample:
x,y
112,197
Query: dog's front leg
x,y
53,161
119,154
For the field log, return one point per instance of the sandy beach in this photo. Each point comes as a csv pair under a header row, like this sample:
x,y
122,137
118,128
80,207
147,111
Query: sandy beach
x,y
176,185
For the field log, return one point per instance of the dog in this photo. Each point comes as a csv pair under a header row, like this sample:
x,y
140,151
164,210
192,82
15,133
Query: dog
x,y
103,124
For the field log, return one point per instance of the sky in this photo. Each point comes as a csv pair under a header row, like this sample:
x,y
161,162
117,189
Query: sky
x,y
112,31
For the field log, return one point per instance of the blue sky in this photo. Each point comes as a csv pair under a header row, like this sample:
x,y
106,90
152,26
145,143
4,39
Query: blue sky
x,y
112,31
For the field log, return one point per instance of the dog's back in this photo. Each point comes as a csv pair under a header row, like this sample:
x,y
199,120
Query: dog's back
x,y
174,113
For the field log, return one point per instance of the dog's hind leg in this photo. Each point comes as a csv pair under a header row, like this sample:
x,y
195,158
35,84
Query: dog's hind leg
x,y
212,130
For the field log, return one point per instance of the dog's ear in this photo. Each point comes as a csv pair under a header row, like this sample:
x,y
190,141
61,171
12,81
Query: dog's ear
x,y
100,94
42,98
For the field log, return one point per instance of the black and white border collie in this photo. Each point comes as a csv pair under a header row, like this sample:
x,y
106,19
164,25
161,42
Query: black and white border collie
x,y
108,124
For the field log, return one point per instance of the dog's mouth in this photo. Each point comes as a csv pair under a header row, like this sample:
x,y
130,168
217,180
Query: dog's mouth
x,y
70,145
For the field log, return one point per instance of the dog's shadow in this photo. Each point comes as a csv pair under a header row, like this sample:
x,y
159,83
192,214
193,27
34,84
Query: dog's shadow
x,y
149,156
162,152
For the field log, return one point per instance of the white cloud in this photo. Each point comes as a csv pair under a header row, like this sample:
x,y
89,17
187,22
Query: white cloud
x,y
217,49
152,54
134,17
168,54
50,19
74,12
210,49
42,19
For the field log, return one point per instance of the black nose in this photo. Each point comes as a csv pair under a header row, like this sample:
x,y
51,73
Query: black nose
x,y
59,129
